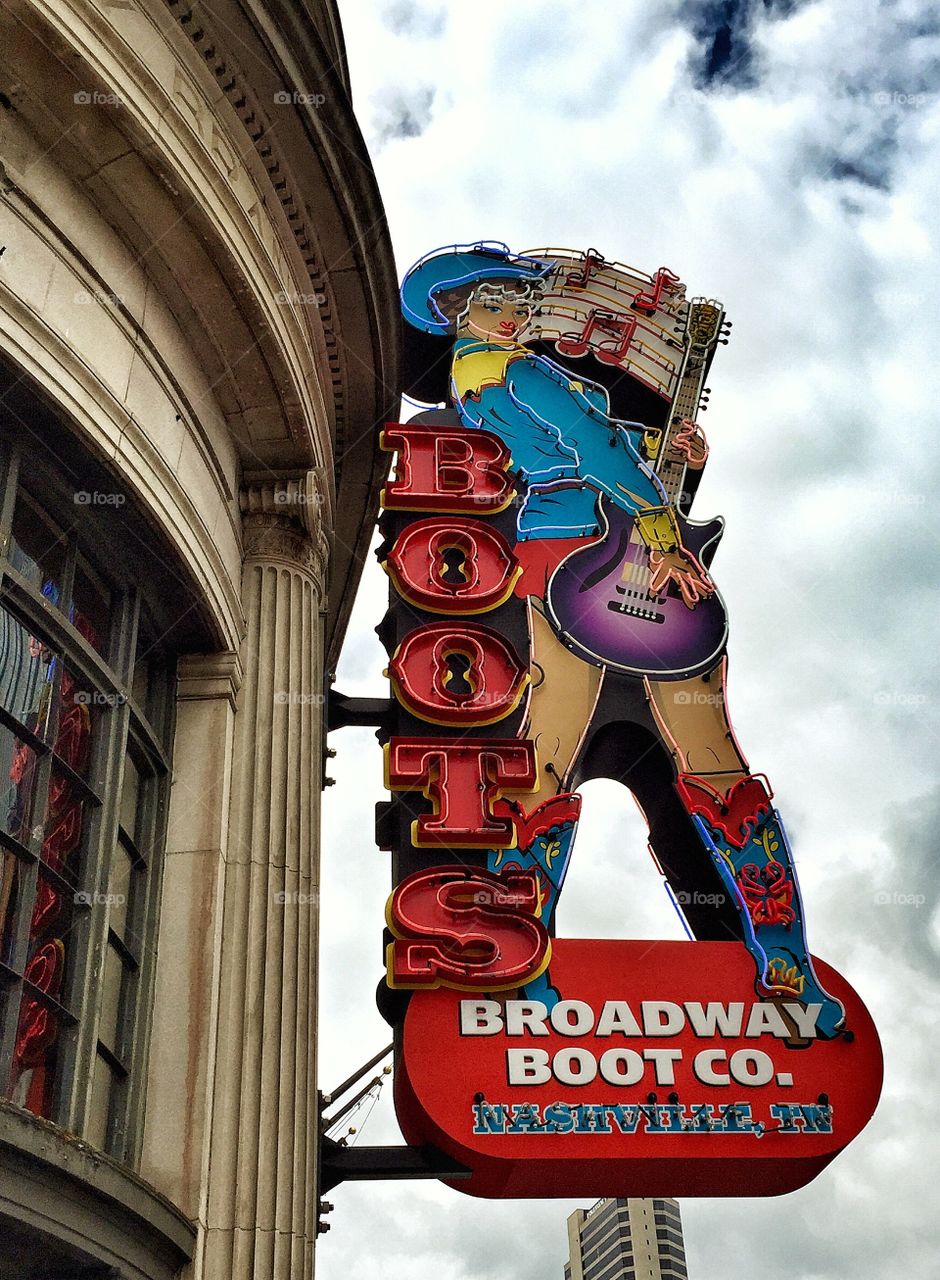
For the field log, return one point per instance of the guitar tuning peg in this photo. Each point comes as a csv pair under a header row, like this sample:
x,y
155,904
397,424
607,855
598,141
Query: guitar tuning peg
x,y
723,341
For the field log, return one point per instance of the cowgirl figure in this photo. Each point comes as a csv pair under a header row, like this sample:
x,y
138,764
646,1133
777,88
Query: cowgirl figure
x,y
567,451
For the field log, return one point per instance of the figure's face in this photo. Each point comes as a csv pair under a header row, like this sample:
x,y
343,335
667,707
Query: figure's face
x,y
495,319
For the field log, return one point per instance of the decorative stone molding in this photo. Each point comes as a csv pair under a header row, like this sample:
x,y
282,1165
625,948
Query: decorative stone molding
x,y
212,36
305,498
283,521
208,675
341,236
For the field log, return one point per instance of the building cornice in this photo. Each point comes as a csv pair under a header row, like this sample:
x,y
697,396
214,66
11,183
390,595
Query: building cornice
x,y
356,266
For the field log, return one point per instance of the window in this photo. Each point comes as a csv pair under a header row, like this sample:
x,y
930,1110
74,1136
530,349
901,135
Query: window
x,y
598,1257
668,1220
617,1269
85,719
669,1233
665,1212
605,1221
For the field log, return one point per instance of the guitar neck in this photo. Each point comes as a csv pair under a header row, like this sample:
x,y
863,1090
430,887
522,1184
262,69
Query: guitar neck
x,y
704,325
684,405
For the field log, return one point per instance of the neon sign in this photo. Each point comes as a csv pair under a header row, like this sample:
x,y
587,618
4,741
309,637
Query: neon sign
x,y
553,618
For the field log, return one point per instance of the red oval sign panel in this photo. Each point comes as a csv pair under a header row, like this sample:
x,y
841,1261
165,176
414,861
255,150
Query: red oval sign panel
x,y
659,1073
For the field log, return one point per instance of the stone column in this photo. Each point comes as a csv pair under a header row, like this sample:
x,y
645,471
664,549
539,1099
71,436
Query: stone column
x,y
262,1193
175,1143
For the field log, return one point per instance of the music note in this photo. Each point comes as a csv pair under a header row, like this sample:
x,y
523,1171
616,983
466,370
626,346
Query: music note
x,y
573,344
616,323
592,262
664,281
624,327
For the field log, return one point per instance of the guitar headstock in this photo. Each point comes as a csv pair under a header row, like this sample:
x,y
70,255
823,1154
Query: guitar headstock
x,y
706,325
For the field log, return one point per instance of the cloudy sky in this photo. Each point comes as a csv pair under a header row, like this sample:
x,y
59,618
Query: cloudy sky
x,y
782,156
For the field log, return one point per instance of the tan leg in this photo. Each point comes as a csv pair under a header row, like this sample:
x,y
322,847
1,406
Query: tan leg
x,y
563,696
693,719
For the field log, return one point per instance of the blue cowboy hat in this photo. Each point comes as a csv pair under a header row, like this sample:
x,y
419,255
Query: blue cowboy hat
x,y
454,265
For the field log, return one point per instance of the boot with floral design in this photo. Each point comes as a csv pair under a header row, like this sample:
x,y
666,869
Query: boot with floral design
x,y
544,840
745,838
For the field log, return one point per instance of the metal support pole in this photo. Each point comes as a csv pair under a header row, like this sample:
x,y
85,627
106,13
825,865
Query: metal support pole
x,y
338,1092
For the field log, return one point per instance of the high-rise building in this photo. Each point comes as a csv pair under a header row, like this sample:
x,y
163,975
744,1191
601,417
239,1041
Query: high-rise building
x,y
620,1239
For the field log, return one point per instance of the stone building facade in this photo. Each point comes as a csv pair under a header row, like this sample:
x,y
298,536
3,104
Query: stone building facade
x,y
198,338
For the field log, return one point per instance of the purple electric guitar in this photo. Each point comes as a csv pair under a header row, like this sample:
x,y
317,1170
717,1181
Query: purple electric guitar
x,y
599,598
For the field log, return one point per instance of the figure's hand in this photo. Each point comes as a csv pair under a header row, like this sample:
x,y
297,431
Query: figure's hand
x,y
689,446
681,567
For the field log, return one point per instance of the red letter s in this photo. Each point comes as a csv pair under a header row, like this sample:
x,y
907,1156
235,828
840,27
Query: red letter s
x,y
467,928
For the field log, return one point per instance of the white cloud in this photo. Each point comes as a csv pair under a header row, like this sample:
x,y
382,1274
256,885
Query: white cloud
x,y
807,202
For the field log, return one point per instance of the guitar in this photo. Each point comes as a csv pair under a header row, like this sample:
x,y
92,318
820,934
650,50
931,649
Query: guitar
x,y
599,598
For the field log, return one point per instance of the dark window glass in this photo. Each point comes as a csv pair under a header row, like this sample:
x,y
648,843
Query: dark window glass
x,y
63,826
84,730
38,548
19,778
91,606
27,671
612,1269
603,1221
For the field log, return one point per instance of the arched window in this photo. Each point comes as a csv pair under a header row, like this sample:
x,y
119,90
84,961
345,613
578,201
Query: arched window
x,y
86,669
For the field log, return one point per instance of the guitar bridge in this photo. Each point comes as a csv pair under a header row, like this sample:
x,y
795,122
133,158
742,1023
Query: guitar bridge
x,y
636,611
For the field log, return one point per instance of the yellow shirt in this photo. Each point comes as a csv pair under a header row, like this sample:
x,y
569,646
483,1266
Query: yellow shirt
x,y
479,365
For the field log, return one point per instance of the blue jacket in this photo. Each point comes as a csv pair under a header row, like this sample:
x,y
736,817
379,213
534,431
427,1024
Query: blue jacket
x,y
563,441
